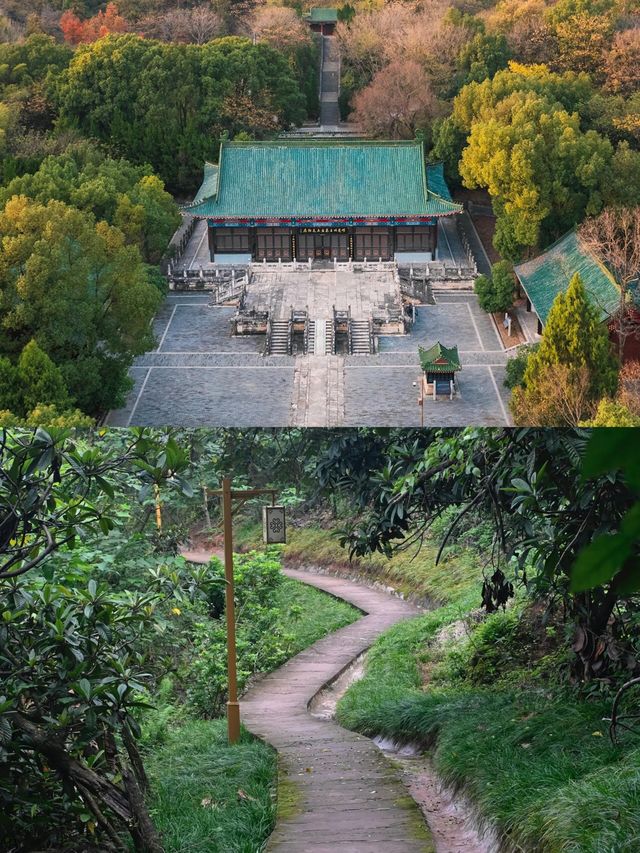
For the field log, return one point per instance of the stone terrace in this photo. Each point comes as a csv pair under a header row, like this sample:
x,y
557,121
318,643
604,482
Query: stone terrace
x,y
319,290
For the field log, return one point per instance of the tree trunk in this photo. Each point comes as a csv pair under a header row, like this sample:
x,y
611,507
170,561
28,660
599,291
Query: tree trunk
x,y
127,804
156,490
145,836
135,758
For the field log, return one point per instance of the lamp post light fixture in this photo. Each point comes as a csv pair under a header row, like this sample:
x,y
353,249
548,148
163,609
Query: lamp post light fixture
x,y
274,531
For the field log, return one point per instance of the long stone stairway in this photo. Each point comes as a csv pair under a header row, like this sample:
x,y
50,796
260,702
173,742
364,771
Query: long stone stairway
x,y
330,83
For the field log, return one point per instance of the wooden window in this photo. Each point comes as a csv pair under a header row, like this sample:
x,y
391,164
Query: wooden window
x,y
415,238
372,243
273,243
231,240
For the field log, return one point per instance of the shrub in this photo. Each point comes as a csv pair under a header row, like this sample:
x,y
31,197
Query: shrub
x,y
495,292
516,366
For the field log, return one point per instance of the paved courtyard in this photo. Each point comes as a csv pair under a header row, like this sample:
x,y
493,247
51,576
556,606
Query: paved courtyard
x,y
200,375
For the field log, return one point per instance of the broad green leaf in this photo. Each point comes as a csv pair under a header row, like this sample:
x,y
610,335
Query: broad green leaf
x,y
600,561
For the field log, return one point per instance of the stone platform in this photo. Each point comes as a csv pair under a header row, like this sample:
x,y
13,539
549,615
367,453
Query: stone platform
x,y
318,291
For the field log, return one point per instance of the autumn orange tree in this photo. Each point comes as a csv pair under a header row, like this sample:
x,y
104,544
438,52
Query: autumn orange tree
x,y
398,102
78,31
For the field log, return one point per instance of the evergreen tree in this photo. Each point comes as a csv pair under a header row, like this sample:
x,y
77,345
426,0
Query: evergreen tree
x,y
84,295
576,348
10,388
41,380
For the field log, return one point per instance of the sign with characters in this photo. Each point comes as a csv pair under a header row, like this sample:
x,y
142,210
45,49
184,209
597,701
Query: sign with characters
x,y
274,528
324,229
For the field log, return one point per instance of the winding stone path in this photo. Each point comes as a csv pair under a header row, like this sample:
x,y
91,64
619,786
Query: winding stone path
x,y
338,793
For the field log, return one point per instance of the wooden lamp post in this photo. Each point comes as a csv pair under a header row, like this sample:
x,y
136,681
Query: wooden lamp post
x,y
274,531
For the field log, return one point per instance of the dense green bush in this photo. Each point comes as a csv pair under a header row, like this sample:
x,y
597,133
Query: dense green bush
x,y
517,366
496,292
261,643
74,676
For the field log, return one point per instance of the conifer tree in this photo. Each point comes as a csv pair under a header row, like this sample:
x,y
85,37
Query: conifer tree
x,y
41,380
576,348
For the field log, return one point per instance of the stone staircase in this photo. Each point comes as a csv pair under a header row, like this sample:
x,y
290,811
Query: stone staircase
x,y
329,338
279,338
360,337
310,344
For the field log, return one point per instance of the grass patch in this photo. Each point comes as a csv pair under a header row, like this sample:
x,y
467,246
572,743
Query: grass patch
x,y
535,758
392,673
308,614
209,797
412,572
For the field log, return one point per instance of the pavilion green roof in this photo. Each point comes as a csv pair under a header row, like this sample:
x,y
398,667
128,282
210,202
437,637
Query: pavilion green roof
x,y
321,178
322,15
439,359
544,277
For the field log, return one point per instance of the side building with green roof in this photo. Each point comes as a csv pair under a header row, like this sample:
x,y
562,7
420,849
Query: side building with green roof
x,y
322,19
544,277
322,200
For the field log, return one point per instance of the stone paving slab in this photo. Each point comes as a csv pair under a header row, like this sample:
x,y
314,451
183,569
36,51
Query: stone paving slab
x,y
480,400
386,846
125,416
214,359
194,327
410,358
455,320
350,797
214,396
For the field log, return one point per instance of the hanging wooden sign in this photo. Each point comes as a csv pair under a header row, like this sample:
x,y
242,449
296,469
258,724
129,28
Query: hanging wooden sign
x,y
274,528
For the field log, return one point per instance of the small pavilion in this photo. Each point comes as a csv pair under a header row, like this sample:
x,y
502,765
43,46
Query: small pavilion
x,y
439,367
322,20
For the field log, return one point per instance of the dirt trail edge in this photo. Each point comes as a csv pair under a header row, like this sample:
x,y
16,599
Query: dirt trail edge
x,y
337,791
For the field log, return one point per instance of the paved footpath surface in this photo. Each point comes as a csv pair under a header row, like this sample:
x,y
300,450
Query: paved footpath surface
x,y
342,795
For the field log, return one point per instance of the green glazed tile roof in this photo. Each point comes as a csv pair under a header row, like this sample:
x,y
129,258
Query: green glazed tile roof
x,y
544,277
325,179
209,185
439,359
436,181
322,15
